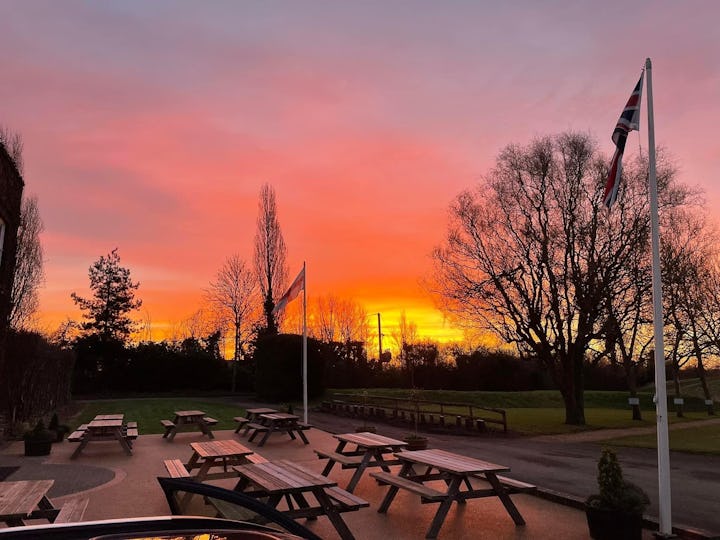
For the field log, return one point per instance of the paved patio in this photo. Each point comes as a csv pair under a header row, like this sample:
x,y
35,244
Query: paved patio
x,y
121,486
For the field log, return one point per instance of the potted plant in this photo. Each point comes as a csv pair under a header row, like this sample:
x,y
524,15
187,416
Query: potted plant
x,y
59,429
616,511
365,426
38,441
415,440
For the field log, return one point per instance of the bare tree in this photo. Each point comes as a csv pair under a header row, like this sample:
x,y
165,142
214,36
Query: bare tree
x,y
144,331
352,321
627,330
270,253
405,337
337,319
196,325
530,255
29,274
65,334
13,143
232,295
324,318
710,318
686,252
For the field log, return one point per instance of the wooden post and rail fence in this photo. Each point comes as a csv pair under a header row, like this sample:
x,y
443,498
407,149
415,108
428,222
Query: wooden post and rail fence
x,y
435,414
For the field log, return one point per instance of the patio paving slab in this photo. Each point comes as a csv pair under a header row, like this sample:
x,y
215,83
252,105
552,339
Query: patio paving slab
x,y
133,491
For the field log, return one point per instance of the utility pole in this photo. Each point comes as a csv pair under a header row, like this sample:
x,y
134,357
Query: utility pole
x,y
379,339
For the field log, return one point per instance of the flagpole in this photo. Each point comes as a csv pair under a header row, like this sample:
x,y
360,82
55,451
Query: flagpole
x,y
664,503
304,358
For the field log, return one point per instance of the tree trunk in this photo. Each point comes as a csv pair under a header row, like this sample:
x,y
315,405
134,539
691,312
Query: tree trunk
x,y
632,387
703,382
236,357
676,381
572,392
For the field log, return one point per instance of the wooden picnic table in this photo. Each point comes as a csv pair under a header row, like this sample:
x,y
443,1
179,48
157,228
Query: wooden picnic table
x,y
293,482
191,419
212,454
367,452
105,427
456,471
278,423
253,416
25,499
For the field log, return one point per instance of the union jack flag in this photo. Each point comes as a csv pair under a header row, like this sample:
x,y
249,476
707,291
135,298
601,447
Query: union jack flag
x,y
629,120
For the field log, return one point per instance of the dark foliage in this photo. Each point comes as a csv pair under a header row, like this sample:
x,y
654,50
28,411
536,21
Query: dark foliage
x,y
39,434
106,313
193,364
35,378
278,367
480,370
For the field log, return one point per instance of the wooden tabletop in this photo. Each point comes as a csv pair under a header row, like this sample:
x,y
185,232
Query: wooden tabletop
x,y
189,413
117,416
105,423
261,410
280,416
283,476
22,497
220,449
369,440
450,462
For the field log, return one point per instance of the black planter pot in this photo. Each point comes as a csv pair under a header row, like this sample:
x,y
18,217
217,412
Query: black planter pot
x,y
416,443
37,448
613,525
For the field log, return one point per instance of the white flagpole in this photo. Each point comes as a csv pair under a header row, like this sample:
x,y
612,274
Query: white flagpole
x,y
664,502
304,358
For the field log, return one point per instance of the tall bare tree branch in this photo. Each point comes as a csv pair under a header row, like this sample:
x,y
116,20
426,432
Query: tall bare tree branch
x,y
270,254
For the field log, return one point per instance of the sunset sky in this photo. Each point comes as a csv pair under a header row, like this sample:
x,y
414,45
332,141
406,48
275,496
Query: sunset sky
x,y
151,126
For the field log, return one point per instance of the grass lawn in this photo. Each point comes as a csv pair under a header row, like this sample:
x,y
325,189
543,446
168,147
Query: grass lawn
x,y
148,412
528,413
508,400
697,440
546,421
542,412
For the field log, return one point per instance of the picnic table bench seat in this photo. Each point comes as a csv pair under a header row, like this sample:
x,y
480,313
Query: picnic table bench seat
x,y
76,436
303,425
257,428
424,491
131,425
81,427
169,425
72,511
209,421
241,421
132,433
176,468
514,486
346,500
346,461
255,458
